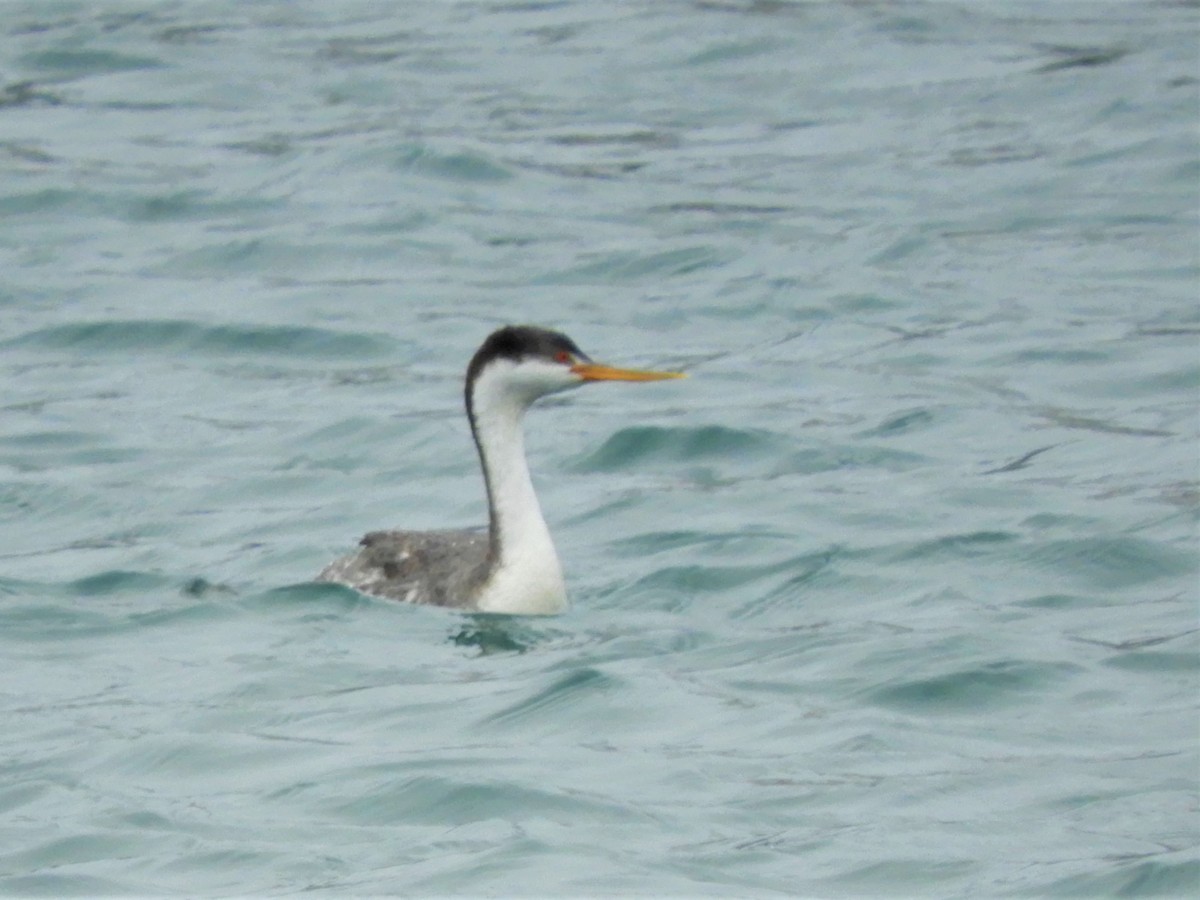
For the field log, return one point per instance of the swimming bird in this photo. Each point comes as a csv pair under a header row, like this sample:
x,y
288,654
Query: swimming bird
x,y
511,567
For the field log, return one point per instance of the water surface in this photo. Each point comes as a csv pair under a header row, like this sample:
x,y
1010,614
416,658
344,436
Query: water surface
x,y
895,596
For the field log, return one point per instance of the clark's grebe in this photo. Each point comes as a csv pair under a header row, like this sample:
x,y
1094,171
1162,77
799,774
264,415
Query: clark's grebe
x,y
512,567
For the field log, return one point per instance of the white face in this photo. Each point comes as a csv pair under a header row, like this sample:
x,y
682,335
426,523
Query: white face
x,y
516,385
535,377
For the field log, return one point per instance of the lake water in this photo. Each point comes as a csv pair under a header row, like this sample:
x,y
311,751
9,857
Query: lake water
x,y
896,595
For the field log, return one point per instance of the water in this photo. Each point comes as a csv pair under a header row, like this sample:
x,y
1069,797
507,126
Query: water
x,y
896,595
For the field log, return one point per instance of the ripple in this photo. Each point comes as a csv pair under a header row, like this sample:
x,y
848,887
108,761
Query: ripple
x,y
806,572
634,446
1151,878
731,50
831,458
72,63
323,599
958,546
181,335
564,693
625,267
56,450
55,611
733,542
28,93
470,168
974,689
447,801
1071,57
73,850
1112,564
1156,662
105,584
53,884
693,579
902,423
132,206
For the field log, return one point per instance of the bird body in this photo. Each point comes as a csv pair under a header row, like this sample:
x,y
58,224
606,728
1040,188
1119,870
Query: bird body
x,y
512,567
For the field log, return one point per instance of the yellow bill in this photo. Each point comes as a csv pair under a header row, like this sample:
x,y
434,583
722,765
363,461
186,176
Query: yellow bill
x,y
596,372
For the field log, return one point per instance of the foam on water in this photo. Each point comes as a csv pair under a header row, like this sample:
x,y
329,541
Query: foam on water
x,y
896,595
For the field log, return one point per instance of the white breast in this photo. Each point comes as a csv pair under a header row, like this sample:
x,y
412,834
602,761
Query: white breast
x,y
527,579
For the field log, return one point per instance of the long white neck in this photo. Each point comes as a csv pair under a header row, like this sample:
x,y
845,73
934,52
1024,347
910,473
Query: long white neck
x,y
526,577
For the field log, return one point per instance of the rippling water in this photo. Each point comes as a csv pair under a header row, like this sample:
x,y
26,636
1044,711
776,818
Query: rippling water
x,y
896,595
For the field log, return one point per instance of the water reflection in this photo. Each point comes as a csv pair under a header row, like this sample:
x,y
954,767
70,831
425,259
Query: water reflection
x,y
500,634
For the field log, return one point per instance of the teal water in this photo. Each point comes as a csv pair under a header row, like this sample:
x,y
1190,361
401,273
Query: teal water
x,y
896,595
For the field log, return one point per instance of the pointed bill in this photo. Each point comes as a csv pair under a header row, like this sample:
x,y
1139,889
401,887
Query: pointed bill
x,y
596,372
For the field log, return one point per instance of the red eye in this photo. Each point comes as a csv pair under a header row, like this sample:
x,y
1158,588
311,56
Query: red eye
x,y
563,356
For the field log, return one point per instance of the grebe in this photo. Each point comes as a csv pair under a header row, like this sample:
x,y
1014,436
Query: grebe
x,y
512,567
